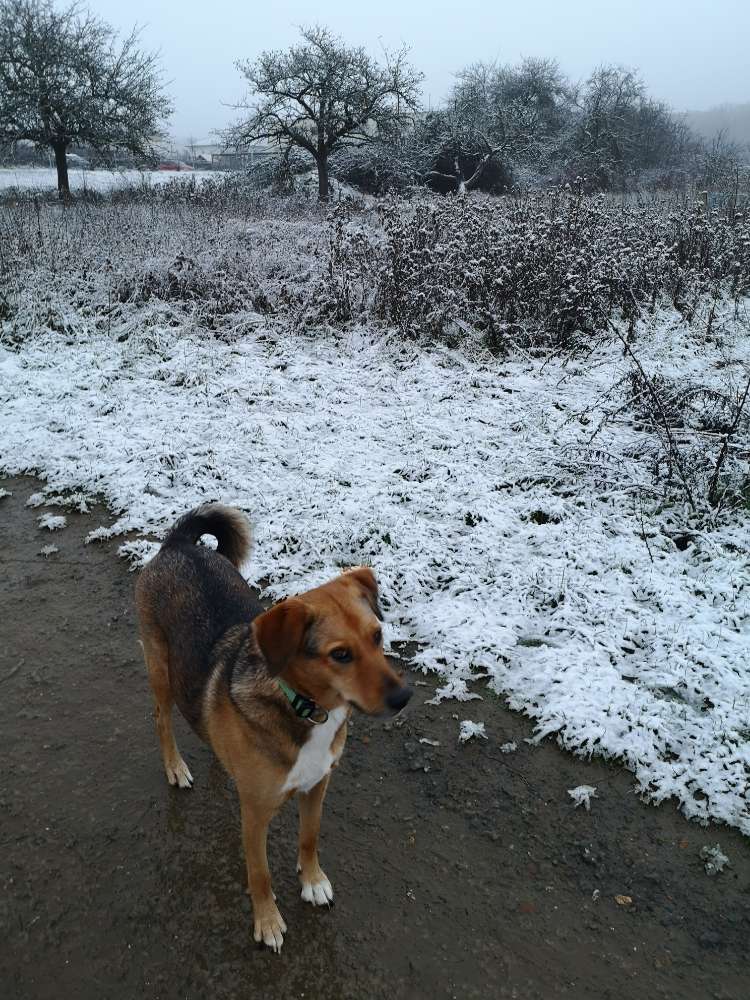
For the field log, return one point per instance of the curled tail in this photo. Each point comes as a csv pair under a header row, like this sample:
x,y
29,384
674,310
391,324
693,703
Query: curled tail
x,y
228,525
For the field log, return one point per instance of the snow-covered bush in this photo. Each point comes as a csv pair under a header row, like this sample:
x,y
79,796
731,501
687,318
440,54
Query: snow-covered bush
x,y
210,252
701,433
547,268
375,168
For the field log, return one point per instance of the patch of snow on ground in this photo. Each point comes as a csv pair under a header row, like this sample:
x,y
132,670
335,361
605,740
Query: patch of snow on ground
x,y
53,522
45,178
582,795
471,730
432,467
339,190
714,859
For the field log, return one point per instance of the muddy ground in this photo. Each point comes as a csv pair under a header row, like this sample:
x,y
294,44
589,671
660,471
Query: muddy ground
x,y
459,871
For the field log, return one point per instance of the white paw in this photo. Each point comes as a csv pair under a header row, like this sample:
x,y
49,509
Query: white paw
x,y
319,893
270,929
179,774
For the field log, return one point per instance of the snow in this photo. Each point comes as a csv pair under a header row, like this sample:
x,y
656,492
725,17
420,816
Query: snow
x,y
307,183
582,795
471,730
45,178
714,859
506,549
53,522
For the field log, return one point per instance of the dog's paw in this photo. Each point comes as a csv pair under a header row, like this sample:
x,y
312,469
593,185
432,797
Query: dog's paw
x,y
317,891
179,774
270,928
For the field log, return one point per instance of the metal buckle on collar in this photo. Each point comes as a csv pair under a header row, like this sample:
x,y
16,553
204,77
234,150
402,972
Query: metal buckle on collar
x,y
318,716
304,707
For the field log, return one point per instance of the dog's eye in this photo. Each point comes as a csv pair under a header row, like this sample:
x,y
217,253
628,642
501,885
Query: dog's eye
x,y
378,637
341,655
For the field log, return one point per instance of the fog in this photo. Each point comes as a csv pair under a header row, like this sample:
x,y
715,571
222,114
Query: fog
x,y
691,53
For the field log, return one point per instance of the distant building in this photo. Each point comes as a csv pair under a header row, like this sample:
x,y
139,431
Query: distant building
x,y
212,155
245,158
216,156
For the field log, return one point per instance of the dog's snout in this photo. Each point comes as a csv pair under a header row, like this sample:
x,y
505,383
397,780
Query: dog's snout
x,y
398,697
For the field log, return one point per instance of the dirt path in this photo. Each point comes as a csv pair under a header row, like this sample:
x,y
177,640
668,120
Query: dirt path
x,y
459,871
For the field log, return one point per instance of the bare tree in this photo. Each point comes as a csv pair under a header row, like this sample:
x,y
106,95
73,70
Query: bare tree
x,y
455,148
322,95
717,162
621,130
64,79
496,117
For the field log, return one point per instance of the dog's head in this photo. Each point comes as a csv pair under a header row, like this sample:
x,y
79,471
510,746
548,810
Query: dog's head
x,y
329,640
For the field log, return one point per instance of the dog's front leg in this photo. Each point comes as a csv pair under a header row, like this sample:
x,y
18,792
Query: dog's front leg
x,y
316,888
269,925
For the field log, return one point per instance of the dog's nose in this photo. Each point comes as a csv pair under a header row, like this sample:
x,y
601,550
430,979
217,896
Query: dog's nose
x,y
398,697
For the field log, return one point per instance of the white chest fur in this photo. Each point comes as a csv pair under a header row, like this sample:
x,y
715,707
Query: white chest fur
x,y
315,759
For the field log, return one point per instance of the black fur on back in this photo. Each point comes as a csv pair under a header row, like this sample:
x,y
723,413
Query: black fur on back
x,y
203,608
228,525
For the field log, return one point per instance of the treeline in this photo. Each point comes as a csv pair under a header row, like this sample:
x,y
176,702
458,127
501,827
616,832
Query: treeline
x,y
67,82
528,125
502,126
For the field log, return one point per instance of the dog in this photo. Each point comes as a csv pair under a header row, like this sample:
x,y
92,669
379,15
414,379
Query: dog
x,y
270,690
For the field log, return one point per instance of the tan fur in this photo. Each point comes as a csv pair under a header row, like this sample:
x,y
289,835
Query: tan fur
x,y
232,698
156,654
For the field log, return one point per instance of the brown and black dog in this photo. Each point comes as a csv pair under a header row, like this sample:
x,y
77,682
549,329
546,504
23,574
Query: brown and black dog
x,y
271,691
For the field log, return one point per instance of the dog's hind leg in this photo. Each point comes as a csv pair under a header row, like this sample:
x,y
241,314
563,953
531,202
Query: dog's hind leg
x,y
156,653
316,888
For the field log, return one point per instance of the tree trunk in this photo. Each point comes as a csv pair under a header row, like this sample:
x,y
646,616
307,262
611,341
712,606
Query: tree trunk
x,y
63,187
436,175
476,177
323,177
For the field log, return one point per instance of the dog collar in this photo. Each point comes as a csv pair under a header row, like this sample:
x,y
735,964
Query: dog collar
x,y
304,707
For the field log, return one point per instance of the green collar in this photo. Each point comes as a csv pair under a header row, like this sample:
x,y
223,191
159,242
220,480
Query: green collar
x,y
304,707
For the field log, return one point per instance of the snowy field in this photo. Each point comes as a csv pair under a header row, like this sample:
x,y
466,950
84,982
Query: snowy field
x,y
45,179
524,560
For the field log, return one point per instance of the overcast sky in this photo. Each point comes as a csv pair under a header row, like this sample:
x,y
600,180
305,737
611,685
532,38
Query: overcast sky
x,y
691,53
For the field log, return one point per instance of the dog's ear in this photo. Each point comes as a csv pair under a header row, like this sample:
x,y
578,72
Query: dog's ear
x,y
365,578
280,633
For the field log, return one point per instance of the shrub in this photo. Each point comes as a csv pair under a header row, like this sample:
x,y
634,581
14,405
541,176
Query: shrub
x,y
546,268
374,168
207,252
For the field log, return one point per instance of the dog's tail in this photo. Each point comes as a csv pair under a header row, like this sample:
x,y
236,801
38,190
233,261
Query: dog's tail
x,y
229,526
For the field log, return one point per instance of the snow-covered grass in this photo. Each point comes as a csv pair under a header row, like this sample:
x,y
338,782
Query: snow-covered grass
x,y
550,267
469,730
715,860
45,178
557,571
582,796
53,522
